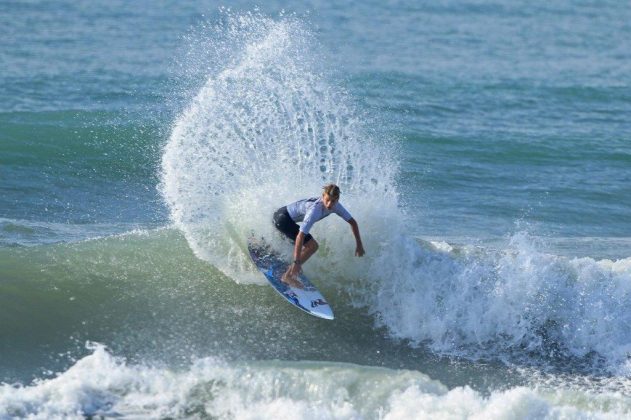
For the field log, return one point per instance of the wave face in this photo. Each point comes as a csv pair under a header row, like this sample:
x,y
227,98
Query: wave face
x,y
263,131
412,299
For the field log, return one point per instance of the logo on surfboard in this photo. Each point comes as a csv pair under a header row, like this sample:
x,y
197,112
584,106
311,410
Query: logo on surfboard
x,y
318,302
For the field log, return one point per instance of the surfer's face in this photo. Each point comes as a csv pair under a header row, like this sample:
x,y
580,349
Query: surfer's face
x,y
328,201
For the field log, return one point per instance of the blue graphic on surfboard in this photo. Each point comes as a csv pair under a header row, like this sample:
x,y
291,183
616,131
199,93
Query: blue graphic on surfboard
x,y
271,264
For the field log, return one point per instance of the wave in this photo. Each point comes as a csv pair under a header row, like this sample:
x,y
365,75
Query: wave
x,y
481,303
268,127
101,384
516,304
146,295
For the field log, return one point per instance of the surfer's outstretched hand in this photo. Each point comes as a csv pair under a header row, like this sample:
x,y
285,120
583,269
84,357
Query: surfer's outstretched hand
x,y
359,251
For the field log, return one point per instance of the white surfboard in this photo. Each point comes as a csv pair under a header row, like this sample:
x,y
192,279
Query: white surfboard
x,y
269,262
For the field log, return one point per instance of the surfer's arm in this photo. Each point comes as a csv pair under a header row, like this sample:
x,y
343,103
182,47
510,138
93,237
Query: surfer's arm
x,y
359,249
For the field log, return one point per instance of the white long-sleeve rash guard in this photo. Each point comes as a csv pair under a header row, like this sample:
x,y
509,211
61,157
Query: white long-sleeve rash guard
x,y
310,210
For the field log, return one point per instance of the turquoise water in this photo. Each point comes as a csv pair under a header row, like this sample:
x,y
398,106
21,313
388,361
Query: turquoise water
x,y
482,147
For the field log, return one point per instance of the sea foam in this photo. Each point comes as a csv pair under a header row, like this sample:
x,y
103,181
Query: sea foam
x,y
103,385
477,302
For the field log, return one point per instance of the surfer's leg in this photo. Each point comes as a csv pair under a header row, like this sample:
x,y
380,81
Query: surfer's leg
x,y
308,249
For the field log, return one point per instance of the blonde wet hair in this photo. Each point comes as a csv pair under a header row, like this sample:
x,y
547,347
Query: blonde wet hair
x,y
332,190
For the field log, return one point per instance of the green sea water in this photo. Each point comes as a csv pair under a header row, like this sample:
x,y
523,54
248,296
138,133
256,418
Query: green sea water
x,y
482,147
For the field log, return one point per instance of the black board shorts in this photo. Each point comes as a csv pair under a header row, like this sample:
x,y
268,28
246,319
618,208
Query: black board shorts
x,y
286,225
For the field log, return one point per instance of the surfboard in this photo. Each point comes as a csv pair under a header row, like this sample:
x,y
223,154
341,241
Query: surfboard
x,y
270,263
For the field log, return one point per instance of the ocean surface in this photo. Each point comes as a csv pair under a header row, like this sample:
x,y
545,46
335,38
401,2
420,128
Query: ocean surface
x,y
482,146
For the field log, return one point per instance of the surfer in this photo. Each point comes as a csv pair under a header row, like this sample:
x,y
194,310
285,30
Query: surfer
x,y
308,211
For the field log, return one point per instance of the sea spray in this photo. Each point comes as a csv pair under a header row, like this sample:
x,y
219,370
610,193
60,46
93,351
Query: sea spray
x,y
267,129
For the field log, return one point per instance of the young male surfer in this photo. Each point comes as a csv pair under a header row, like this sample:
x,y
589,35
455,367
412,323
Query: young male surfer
x,y
308,211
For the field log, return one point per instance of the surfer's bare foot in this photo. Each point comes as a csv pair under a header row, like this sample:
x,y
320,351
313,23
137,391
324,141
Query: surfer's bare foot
x,y
292,281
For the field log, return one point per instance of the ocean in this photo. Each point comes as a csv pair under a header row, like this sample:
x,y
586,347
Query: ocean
x,y
482,147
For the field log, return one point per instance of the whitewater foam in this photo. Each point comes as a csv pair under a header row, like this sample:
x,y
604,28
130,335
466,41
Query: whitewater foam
x,y
476,302
101,384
